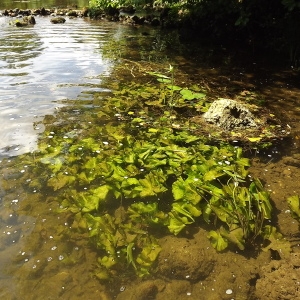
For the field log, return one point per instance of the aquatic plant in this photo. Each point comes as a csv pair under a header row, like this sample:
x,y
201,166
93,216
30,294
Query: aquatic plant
x,y
141,172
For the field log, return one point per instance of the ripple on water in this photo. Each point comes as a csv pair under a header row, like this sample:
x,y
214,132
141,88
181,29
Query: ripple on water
x,y
43,64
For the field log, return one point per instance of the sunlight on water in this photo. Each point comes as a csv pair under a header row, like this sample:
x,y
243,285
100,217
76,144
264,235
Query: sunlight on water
x,y
40,66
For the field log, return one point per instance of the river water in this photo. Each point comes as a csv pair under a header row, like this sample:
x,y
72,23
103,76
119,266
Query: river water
x,y
48,72
41,65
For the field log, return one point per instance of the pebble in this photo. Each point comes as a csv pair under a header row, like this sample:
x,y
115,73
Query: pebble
x,y
229,292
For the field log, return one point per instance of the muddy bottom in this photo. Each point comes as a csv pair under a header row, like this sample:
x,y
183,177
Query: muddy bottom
x,y
39,261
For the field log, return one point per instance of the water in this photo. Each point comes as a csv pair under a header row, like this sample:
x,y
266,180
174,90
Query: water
x,y
40,66
53,80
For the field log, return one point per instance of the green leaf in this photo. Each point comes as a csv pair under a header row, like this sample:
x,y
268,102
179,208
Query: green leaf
x,y
185,190
107,261
151,186
174,87
213,174
254,139
294,204
190,95
235,236
217,241
176,224
180,209
262,198
278,243
101,192
60,180
129,255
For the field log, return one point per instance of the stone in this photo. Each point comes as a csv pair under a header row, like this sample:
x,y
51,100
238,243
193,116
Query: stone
x,y
183,259
58,20
280,279
229,115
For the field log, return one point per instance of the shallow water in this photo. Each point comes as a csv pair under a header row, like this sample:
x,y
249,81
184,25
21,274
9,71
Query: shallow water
x,y
40,66
50,83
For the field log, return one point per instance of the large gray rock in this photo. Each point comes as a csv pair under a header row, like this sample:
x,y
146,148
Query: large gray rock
x,y
229,114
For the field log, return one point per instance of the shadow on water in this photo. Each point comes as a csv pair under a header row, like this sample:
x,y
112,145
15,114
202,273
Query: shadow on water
x,y
58,83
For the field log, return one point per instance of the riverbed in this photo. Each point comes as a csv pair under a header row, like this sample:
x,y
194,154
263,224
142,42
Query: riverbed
x,y
54,80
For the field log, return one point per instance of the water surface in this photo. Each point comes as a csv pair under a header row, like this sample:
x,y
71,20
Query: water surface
x,y
53,81
39,66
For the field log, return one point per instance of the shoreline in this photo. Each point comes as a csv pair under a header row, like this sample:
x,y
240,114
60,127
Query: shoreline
x,y
124,15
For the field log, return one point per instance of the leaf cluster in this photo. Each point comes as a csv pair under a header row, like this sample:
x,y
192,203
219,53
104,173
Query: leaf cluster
x,y
135,176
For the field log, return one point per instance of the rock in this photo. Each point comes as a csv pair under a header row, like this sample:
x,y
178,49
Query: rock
x,y
130,9
43,11
21,24
138,20
229,114
72,13
85,12
29,20
184,259
280,279
58,20
155,22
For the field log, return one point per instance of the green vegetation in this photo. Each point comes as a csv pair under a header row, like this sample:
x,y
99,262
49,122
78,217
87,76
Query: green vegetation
x,y
140,172
259,25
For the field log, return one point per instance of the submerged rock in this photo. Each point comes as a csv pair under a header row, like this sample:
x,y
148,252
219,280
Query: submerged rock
x,y
27,20
58,20
280,279
229,114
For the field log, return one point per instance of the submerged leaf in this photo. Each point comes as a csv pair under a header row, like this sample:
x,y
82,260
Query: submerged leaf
x,y
60,180
217,241
294,204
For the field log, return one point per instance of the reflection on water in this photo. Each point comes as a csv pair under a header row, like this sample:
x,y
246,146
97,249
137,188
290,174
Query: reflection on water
x,y
37,66
29,4
47,255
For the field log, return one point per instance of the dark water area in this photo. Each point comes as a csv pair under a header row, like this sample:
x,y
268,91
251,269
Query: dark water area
x,y
31,4
56,81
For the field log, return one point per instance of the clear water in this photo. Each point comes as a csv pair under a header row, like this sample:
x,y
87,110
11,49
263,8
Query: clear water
x,y
39,67
46,69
